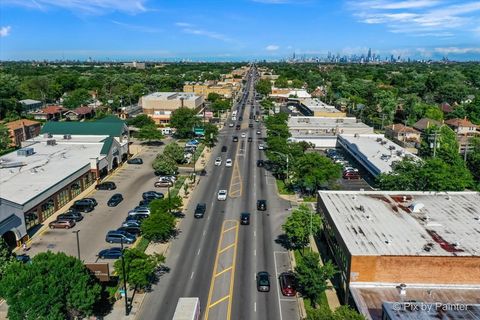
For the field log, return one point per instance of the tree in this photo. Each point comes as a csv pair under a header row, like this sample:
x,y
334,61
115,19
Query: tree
x,y
159,226
341,313
281,82
6,256
211,134
300,225
53,286
164,166
447,145
184,120
312,170
149,133
220,105
264,86
4,137
174,152
473,160
140,121
213,96
76,98
312,278
167,205
139,267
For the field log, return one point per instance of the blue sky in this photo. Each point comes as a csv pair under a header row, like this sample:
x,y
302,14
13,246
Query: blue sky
x,y
230,29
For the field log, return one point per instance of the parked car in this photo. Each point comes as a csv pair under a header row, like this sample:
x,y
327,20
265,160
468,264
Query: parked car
x,y
131,223
109,185
151,195
145,202
228,163
171,178
135,161
350,169
218,161
231,124
235,139
92,200
351,175
24,258
115,200
62,224
163,184
70,215
263,281
131,229
136,210
287,284
237,127
262,205
245,218
200,210
222,195
136,217
110,253
115,236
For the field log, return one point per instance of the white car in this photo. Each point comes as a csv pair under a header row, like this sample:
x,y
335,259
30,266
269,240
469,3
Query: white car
x,y
231,125
258,132
261,146
218,161
228,163
222,195
244,134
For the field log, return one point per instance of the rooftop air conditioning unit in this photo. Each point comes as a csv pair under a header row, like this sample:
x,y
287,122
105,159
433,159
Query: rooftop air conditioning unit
x,y
25,152
51,142
47,135
67,136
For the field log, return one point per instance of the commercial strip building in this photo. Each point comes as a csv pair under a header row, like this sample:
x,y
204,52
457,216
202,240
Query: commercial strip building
x,y
402,246
225,89
160,105
317,108
284,94
54,168
323,131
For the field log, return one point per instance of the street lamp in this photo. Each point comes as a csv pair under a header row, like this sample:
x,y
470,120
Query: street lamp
x,y
194,166
169,204
78,243
285,155
124,278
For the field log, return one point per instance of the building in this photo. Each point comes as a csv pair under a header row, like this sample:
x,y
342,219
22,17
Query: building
x,y
160,105
135,64
49,113
323,131
318,108
405,136
21,130
54,168
373,151
80,113
284,94
29,105
462,126
225,89
404,241
423,124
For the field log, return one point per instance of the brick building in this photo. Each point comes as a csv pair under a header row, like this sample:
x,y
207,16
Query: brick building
x,y
21,130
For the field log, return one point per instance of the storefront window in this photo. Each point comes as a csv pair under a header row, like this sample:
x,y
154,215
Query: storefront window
x,y
76,189
63,197
48,208
31,219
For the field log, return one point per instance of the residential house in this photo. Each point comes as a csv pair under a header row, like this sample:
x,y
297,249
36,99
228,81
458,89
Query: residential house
x,y
464,130
405,136
53,112
446,108
423,124
21,130
80,113
29,105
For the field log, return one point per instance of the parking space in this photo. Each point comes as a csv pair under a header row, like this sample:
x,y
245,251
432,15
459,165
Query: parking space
x,y
288,305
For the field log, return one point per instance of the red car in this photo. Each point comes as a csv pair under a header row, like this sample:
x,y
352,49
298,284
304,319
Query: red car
x,y
65,224
287,284
351,175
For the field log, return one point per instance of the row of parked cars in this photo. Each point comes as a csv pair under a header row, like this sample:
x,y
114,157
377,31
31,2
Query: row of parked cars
x,y
74,214
349,172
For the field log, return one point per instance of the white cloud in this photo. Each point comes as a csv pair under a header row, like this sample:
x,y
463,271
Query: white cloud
x,y
5,31
192,29
183,24
273,1
137,27
439,18
457,50
272,47
83,6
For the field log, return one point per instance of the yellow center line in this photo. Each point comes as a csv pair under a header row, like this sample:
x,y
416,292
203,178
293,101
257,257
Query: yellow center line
x,y
218,301
227,247
223,271
229,229
232,277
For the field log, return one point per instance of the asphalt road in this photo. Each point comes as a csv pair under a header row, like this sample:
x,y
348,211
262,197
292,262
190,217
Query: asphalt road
x,y
216,258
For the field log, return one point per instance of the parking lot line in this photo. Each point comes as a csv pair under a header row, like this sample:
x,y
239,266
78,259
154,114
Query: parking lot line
x,y
278,289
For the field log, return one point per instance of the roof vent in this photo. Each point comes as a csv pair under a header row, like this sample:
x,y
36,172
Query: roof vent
x,y
67,136
417,207
402,288
51,142
47,135
388,241
25,152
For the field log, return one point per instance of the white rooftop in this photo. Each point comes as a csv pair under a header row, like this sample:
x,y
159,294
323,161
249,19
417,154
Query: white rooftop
x,y
299,93
48,165
171,96
29,101
385,223
318,105
327,122
371,147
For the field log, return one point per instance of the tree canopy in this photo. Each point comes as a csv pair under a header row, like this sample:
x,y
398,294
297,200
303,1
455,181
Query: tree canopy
x,y
149,133
139,267
184,120
174,152
300,225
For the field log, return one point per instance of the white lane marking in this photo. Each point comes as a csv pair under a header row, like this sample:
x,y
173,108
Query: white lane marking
x,y
255,307
254,233
278,290
255,252
191,277
198,252
204,232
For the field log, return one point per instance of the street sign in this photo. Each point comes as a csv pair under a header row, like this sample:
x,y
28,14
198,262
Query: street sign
x,y
199,131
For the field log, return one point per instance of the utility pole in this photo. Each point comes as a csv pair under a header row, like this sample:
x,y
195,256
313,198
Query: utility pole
x,y
124,278
466,150
435,143
78,243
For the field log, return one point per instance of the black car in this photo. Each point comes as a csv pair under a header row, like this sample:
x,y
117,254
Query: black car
x,y
152,195
145,202
92,200
137,217
240,118
262,205
224,149
245,218
111,253
82,206
115,200
109,185
249,139
263,281
235,139
130,229
135,161
131,223
200,210
250,125
25,258
71,215
260,163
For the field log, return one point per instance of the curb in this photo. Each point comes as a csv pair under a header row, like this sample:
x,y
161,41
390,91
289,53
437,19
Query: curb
x,y
301,305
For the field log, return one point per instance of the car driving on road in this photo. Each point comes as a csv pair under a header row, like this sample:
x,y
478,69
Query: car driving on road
x,y
218,161
222,195
228,163
263,281
200,210
245,218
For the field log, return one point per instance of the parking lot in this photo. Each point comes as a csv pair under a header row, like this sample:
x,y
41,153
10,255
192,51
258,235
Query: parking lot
x,y
131,181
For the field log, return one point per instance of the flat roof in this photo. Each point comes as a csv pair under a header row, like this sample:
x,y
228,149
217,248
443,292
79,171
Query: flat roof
x,y
318,105
370,297
384,222
28,176
297,122
371,148
171,96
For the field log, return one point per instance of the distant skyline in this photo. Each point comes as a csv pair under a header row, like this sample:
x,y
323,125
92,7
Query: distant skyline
x,y
237,29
